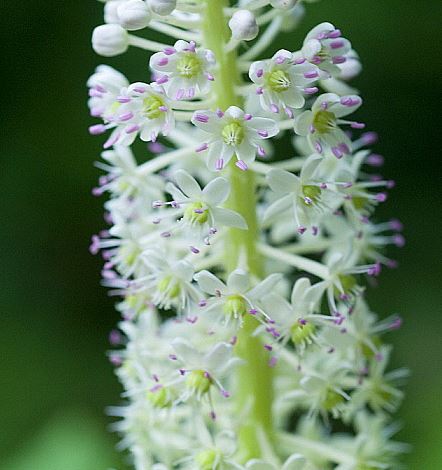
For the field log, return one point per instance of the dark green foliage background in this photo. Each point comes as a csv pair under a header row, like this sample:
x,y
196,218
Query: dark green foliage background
x,y
55,379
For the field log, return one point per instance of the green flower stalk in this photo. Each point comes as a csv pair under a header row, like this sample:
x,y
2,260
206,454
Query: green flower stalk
x,y
241,274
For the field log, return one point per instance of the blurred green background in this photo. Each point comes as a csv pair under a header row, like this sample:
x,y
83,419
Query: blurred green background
x,y
55,378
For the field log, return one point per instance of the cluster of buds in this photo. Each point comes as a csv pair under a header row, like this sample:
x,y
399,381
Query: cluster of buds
x,y
245,340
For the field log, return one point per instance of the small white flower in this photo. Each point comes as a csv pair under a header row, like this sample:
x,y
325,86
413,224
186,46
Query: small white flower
x,y
133,15
200,207
236,298
204,370
243,25
296,320
110,40
324,47
104,88
140,109
162,7
321,124
185,70
303,194
233,133
281,82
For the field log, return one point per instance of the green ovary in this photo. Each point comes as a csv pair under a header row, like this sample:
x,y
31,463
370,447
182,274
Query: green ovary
x,y
207,459
332,399
235,306
199,381
300,332
167,284
324,122
278,81
312,192
189,66
233,133
160,398
151,106
359,202
196,217
348,283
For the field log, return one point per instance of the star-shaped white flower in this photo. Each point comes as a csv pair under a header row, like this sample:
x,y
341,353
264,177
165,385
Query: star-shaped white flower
x,y
143,110
281,82
302,194
200,208
325,47
184,70
233,133
321,124
236,298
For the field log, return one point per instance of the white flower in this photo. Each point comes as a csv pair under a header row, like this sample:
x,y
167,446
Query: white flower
x,y
200,207
162,7
243,25
185,70
104,88
321,124
303,194
233,133
296,320
204,370
133,15
168,282
140,109
236,298
110,40
281,82
324,47
294,462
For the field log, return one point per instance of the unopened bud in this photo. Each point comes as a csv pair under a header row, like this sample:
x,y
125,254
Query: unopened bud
x,y
133,15
162,7
243,25
109,40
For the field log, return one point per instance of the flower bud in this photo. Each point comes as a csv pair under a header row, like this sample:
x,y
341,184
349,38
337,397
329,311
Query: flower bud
x,y
283,4
163,7
109,40
110,11
133,15
243,25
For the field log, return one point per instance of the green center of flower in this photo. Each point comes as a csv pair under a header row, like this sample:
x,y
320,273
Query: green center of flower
x,y
348,283
195,213
199,381
324,121
160,398
235,306
359,202
331,400
129,253
189,65
299,333
278,81
233,133
151,107
312,193
207,459
169,286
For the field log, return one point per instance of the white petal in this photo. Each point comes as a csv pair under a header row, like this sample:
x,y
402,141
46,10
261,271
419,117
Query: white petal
x,y
309,167
184,270
238,281
277,308
303,122
277,207
320,28
246,152
217,191
311,48
263,124
209,283
329,98
188,184
218,356
234,112
185,351
256,464
175,193
299,289
213,124
228,218
294,462
265,286
282,181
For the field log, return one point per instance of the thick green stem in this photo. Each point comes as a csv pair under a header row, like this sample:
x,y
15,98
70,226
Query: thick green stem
x,y
254,378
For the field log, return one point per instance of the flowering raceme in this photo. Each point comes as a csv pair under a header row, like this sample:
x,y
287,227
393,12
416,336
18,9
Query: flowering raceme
x,y
245,340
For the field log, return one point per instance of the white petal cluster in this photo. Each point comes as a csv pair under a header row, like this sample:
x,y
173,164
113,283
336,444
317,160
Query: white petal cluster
x,y
174,224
